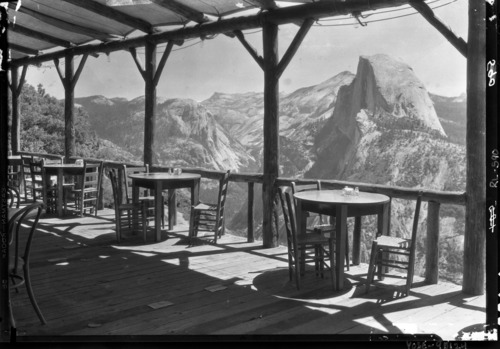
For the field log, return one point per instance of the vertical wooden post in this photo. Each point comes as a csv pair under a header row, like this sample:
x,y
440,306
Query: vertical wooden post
x,y
271,132
432,244
69,101
475,209
16,86
250,237
150,103
356,241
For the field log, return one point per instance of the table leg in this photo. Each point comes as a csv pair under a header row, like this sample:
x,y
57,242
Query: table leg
x,y
158,208
60,193
135,200
341,236
356,241
301,226
383,229
172,208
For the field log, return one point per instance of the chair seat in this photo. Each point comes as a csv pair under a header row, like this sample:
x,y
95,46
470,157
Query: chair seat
x,y
393,242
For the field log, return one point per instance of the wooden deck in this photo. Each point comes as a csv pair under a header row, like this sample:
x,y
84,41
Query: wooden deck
x,y
87,285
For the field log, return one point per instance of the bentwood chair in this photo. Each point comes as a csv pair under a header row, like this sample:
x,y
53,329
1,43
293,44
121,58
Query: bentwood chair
x,y
318,224
301,244
395,252
13,197
144,195
210,216
124,210
85,193
15,176
21,228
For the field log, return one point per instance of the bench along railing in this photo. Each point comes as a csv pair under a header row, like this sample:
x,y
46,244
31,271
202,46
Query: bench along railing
x,y
433,197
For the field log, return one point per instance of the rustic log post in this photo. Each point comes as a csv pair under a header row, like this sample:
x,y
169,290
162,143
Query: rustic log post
x,y
432,244
475,208
69,115
250,237
356,240
271,132
150,103
16,86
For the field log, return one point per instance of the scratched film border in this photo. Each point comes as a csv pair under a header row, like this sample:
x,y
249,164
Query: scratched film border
x,y
492,167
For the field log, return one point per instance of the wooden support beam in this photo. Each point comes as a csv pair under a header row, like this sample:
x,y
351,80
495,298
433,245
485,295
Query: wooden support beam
x,y
69,80
432,244
429,15
249,48
278,16
111,13
23,49
150,104
475,208
16,86
138,62
161,65
65,26
294,46
250,237
183,10
38,35
271,133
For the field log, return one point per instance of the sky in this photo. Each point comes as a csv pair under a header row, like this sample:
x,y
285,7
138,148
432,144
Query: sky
x,y
198,69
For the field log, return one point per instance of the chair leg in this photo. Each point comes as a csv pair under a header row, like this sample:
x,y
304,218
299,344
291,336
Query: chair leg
x,y
297,263
31,294
347,261
371,266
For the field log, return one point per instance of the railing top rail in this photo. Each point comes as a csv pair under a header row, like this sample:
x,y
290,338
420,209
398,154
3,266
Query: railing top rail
x,y
41,155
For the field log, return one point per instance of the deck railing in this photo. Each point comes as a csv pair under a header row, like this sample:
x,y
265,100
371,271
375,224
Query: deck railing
x,y
433,197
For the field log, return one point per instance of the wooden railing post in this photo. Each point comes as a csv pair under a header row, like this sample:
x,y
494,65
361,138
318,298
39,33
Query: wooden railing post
x,y
432,244
250,237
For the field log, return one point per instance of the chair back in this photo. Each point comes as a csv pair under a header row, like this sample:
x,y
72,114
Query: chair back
x,y
127,182
13,198
288,217
297,188
37,178
221,201
90,177
118,196
28,219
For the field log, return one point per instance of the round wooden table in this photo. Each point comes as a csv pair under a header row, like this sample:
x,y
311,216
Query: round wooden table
x,y
333,203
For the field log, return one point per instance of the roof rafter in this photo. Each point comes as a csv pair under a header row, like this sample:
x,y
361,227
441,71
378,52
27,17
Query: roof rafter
x,y
74,28
113,14
183,10
23,49
38,35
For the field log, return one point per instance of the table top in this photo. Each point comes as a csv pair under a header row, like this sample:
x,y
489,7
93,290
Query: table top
x,y
62,166
160,176
336,197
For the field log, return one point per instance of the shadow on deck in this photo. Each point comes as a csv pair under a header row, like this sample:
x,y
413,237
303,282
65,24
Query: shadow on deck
x,y
87,285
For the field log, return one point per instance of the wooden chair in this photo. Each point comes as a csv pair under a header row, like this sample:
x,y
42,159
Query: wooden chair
x,y
321,226
23,222
124,210
144,195
384,247
13,197
298,243
85,193
210,216
15,176
26,176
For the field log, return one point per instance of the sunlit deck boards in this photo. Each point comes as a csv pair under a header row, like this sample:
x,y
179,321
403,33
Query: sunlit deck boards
x,y
87,285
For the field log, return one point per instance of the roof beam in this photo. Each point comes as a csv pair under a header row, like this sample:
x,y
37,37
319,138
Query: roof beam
x,y
444,29
113,14
23,49
279,16
38,35
264,4
183,10
65,25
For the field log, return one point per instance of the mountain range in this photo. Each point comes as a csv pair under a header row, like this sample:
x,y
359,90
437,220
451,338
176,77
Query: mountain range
x,y
378,125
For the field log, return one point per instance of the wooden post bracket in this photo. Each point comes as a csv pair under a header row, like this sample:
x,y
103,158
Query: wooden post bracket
x,y
69,82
